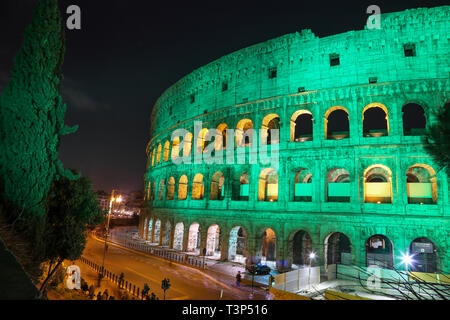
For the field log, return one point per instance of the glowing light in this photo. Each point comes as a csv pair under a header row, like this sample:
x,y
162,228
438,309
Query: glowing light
x,y
407,259
312,256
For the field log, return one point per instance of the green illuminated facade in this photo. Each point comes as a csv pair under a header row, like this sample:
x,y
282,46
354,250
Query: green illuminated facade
x,y
353,182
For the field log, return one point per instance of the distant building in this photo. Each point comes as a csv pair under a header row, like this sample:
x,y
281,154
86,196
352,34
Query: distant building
x,y
103,199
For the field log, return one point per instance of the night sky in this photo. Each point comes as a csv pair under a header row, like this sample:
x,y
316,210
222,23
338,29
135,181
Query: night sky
x,y
129,52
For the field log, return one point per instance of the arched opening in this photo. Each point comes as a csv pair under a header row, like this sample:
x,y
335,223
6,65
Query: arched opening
x,y
222,128
421,184
237,245
338,249
375,121
166,234
217,186
302,126
414,121
302,247
178,236
158,154
157,231
244,133
268,185
377,184
187,145
379,252
244,187
271,122
153,156
213,242
194,238
268,249
303,185
183,188
153,191
166,151
202,140
176,148
170,189
424,256
149,230
337,124
161,189
338,186
198,187
145,235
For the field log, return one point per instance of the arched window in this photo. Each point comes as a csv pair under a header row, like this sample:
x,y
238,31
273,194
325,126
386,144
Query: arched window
x,y
377,184
161,189
421,184
166,234
244,133
158,154
217,186
198,187
302,126
338,188
194,238
202,140
182,188
153,156
222,128
153,191
337,123
375,121
187,145
303,185
268,250
175,148
166,151
302,248
338,249
268,185
414,122
170,189
178,236
379,252
271,122
213,241
244,187
237,245
424,256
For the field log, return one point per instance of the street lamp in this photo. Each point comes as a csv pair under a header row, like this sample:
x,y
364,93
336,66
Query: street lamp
x,y
407,260
312,256
112,200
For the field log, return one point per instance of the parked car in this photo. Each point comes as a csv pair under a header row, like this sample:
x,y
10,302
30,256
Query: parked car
x,y
258,269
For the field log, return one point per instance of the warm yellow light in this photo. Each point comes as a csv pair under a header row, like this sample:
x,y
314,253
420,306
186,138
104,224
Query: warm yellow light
x,y
119,199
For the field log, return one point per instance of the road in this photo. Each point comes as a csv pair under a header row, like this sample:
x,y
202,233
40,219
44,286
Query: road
x,y
187,283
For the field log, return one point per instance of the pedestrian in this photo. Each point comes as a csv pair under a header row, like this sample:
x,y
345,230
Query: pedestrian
x,y
99,295
269,295
238,279
105,295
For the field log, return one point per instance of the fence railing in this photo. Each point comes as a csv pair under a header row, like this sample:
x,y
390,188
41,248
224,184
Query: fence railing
x,y
121,283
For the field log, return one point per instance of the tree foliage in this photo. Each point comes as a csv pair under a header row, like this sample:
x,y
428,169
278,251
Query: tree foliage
x,y
437,140
32,114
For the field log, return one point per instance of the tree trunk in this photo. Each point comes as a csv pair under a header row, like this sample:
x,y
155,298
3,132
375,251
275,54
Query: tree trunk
x,y
43,289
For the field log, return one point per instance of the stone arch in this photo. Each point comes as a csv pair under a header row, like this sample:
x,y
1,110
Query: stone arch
x,y
338,185
268,248
203,140
175,148
379,251
157,231
194,238
187,144
301,249
337,123
213,241
242,193
378,184
198,187
421,184
153,156
183,188
424,256
217,186
170,189
178,236
303,187
302,126
222,128
375,118
161,189
237,245
269,123
244,132
166,234
166,151
338,249
414,120
149,229
158,154
268,185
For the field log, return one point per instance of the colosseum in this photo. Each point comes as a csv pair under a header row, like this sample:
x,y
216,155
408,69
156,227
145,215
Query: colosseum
x,y
343,118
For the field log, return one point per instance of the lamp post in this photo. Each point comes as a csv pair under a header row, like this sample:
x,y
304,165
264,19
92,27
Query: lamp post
x,y
312,256
112,200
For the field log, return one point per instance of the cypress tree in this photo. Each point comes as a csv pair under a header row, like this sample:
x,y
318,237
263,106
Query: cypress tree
x,y
32,117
